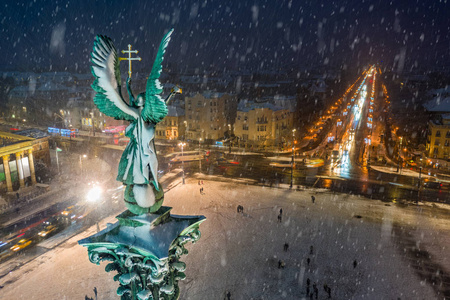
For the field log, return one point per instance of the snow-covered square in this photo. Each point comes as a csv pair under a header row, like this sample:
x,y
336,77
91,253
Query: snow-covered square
x,y
360,248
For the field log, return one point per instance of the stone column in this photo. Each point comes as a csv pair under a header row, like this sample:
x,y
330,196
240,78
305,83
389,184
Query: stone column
x,y
19,156
31,163
7,173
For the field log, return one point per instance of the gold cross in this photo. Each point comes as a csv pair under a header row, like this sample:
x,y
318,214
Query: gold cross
x,y
129,51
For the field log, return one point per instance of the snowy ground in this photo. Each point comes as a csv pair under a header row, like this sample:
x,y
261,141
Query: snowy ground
x,y
404,171
240,252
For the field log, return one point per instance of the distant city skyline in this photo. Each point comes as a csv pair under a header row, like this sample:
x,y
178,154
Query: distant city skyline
x,y
212,35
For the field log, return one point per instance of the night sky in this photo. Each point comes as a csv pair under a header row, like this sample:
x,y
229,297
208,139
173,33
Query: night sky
x,y
403,35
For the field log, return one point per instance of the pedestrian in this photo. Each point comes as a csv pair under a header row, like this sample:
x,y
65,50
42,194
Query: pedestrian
x,y
281,211
18,196
308,261
316,290
311,250
286,247
355,263
202,184
228,295
279,218
308,282
313,199
95,292
279,264
327,290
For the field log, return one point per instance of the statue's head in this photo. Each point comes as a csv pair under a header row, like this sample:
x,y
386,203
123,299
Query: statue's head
x,y
140,100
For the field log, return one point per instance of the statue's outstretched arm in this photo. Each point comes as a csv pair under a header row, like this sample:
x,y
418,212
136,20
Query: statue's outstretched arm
x,y
130,93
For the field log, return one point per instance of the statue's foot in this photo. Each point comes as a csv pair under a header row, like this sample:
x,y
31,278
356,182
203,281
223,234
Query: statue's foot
x,y
144,195
143,198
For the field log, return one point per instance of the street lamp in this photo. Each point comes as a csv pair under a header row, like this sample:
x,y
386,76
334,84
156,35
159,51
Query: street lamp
x,y
182,160
81,163
420,171
292,164
92,121
199,155
229,137
399,157
418,184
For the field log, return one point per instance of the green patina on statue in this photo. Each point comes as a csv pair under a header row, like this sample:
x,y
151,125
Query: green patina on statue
x,y
145,245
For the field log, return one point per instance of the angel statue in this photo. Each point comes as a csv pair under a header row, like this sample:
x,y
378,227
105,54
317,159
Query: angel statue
x,y
138,167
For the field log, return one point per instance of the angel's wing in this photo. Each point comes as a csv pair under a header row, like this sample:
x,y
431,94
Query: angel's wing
x,y
155,109
105,68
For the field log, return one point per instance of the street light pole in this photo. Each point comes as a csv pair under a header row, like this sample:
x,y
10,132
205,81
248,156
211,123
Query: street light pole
x,y
57,160
292,163
229,137
199,155
81,163
182,160
399,147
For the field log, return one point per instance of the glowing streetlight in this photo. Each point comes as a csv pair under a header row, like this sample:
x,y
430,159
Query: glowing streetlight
x,y
94,194
292,164
182,159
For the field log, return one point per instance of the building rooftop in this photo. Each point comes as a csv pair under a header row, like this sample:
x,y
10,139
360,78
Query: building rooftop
x,y
246,106
32,133
175,111
438,104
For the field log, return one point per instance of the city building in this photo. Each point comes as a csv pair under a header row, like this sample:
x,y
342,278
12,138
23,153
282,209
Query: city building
x,y
19,152
172,126
209,115
438,140
263,124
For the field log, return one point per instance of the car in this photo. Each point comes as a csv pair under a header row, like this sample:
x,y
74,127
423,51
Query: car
x,y
68,211
335,154
314,163
74,212
430,184
22,244
49,229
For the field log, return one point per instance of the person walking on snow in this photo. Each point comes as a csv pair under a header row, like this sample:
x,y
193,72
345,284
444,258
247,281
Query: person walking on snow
x,y
316,290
